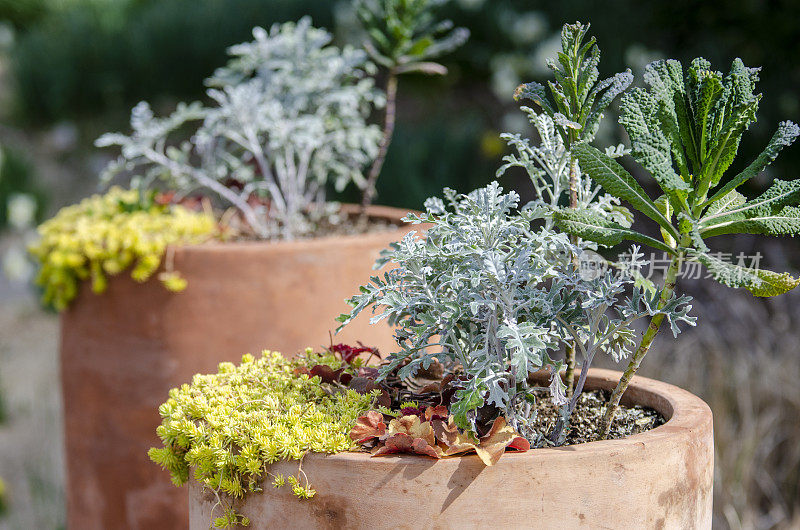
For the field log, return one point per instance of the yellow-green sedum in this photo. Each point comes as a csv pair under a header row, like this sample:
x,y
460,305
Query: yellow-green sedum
x,y
107,234
232,425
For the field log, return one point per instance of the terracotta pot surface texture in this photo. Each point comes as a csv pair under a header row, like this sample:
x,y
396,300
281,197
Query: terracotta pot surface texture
x,y
658,479
123,350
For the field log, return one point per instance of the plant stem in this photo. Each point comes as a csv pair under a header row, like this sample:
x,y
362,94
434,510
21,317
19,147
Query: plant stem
x,y
670,279
573,402
569,352
573,183
388,131
569,373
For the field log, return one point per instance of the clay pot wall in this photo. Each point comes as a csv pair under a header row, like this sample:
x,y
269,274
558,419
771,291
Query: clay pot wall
x,y
661,479
123,350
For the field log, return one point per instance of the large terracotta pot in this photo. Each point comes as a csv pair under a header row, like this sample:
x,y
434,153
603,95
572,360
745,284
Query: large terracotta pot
x,y
658,479
123,350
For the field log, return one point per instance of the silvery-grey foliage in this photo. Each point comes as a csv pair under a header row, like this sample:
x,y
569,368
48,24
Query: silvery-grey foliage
x,y
485,293
599,310
548,166
288,115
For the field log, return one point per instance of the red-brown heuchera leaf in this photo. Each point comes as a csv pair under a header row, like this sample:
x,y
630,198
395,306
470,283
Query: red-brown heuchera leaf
x,y
363,385
501,435
349,353
436,438
403,443
438,412
520,444
437,386
412,426
412,411
326,373
368,426
410,435
368,372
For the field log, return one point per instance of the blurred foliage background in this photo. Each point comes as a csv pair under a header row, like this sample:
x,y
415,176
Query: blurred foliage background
x,y
72,69
88,61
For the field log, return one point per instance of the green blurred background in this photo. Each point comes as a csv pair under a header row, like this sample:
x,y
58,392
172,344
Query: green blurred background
x,y
72,69
82,64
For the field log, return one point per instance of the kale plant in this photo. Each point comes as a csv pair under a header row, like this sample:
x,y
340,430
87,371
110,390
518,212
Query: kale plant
x,y
575,107
685,130
403,36
572,113
289,114
488,296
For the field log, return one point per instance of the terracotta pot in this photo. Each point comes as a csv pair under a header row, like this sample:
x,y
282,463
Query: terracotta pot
x,y
122,351
658,479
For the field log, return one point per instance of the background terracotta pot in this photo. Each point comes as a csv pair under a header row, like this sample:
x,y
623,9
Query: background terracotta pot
x,y
662,478
123,350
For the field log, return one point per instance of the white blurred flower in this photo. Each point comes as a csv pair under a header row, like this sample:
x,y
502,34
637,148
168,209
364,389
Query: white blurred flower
x,y
515,122
505,77
21,210
528,27
63,137
547,49
16,265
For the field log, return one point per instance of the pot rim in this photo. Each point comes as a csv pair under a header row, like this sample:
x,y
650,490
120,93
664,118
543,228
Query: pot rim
x,y
386,213
687,416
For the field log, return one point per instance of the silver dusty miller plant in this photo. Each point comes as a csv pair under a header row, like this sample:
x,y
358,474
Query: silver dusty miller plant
x,y
289,114
490,297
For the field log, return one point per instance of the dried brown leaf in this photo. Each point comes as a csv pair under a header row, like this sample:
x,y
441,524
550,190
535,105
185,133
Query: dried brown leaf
x,y
450,437
494,444
436,413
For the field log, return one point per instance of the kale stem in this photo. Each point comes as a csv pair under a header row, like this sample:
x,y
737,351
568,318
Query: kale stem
x,y
573,183
388,131
569,352
670,279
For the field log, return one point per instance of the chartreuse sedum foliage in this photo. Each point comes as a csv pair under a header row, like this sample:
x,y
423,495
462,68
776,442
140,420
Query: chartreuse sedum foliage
x,y
685,130
230,426
106,235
